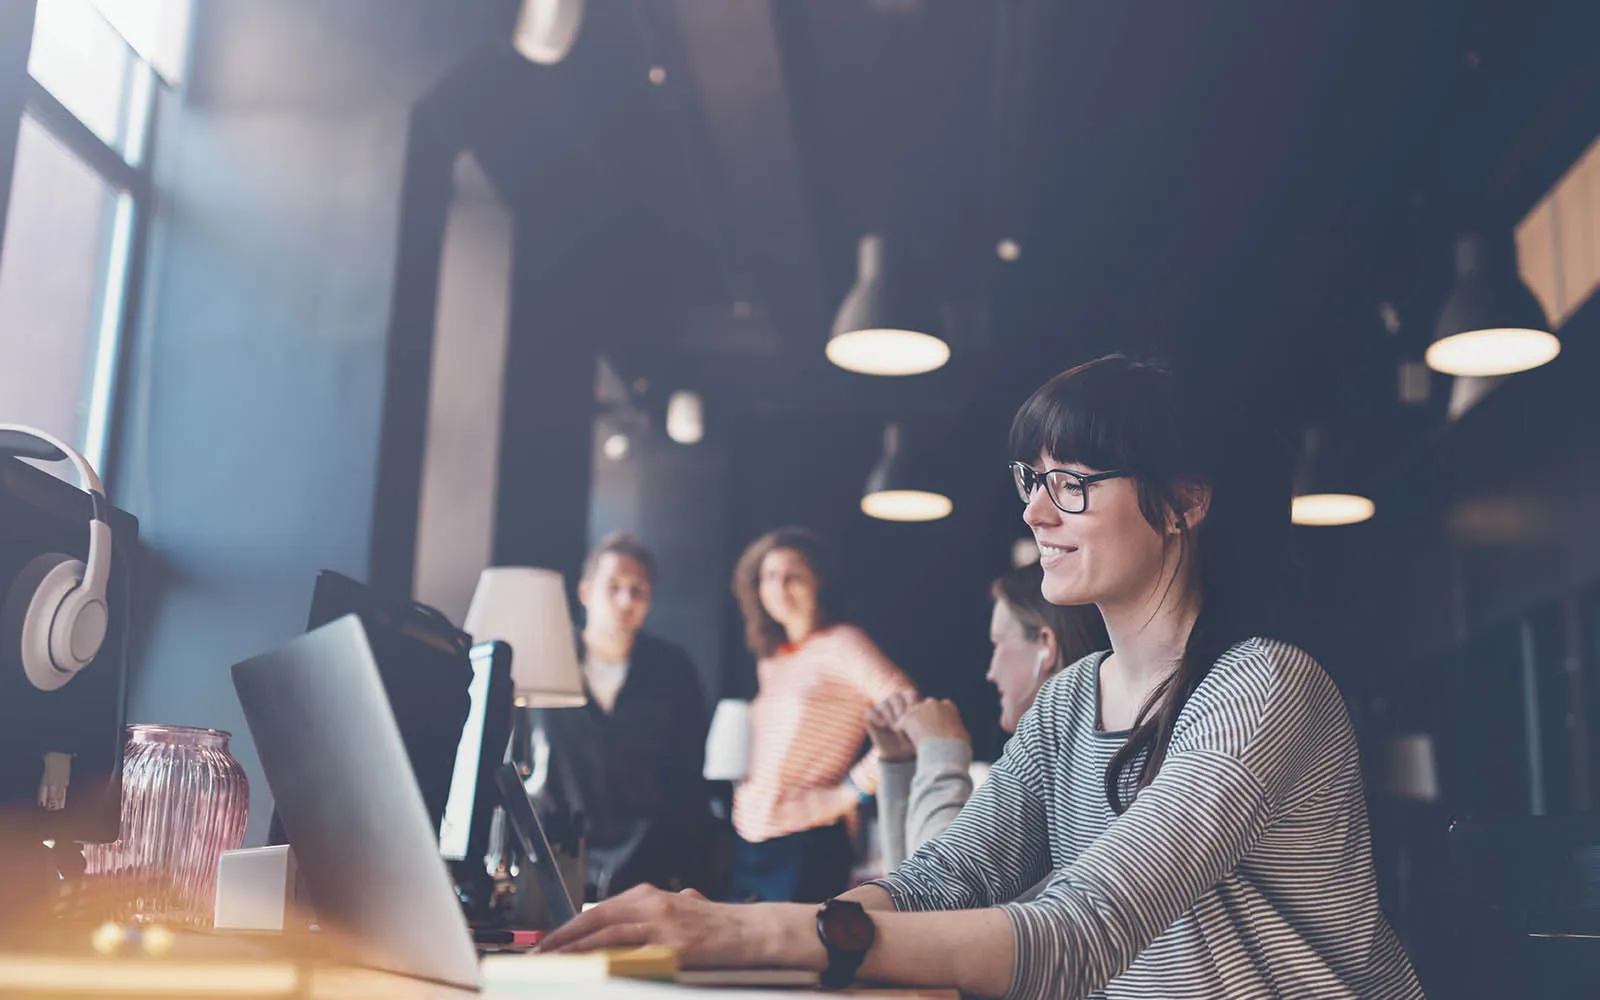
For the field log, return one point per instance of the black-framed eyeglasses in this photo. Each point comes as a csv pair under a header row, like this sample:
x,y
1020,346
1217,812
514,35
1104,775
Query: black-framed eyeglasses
x,y
1068,490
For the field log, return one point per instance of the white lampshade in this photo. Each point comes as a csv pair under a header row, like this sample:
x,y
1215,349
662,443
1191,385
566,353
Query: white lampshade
x,y
1407,769
685,418
728,743
527,608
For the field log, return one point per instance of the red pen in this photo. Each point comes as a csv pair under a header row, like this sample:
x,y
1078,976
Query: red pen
x,y
507,938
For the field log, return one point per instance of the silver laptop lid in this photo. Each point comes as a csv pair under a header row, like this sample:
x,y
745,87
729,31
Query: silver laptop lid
x,y
336,765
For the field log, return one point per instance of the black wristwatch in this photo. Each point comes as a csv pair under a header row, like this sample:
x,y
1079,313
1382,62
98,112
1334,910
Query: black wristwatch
x,y
846,932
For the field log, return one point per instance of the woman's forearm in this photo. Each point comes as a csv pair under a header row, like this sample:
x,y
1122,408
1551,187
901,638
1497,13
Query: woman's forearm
x,y
969,950
871,897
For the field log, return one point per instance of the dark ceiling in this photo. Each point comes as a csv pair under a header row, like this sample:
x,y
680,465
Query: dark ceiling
x,y
1234,185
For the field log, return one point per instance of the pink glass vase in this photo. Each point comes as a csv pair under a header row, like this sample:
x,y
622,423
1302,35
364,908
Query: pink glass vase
x,y
184,801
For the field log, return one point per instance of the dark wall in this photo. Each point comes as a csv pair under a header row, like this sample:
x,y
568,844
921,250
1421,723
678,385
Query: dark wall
x,y
251,434
920,590
675,498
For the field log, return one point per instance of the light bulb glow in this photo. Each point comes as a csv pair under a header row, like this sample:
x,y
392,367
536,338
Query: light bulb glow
x,y
906,505
1485,353
888,352
685,418
616,447
1325,510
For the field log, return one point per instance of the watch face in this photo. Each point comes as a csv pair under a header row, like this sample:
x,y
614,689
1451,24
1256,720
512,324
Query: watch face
x,y
847,926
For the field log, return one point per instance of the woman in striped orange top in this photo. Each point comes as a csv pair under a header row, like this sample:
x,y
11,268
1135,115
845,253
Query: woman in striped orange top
x,y
816,678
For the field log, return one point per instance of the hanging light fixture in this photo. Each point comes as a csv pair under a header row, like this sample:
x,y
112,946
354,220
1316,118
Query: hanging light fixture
x,y
546,29
685,417
1322,499
894,491
881,327
1491,324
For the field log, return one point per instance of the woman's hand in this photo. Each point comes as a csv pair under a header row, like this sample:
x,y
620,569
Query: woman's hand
x,y
703,933
933,719
883,727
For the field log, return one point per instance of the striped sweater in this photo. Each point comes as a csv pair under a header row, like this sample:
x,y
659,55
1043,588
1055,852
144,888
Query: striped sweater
x,y
1244,870
807,724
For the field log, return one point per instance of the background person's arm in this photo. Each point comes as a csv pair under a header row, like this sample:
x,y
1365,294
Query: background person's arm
x,y
940,787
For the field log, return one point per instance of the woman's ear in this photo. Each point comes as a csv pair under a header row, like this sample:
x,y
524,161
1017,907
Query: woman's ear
x,y
1050,651
1195,502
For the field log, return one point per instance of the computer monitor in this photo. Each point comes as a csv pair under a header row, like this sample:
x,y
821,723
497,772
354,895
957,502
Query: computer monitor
x,y
42,514
427,673
469,808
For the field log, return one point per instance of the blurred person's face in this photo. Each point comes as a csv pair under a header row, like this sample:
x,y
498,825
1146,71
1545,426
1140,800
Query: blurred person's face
x,y
1108,555
1018,665
616,596
788,590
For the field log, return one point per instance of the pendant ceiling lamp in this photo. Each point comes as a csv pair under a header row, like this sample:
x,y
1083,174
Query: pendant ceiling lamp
x,y
1491,324
882,325
1325,495
897,490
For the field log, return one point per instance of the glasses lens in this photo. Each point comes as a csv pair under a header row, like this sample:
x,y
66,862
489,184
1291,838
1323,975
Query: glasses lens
x,y
1023,477
1067,491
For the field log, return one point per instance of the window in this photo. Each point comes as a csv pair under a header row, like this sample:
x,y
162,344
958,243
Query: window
x,y
79,198
1558,243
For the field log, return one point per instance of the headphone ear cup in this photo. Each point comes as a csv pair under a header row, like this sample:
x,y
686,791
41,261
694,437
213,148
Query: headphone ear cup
x,y
34,600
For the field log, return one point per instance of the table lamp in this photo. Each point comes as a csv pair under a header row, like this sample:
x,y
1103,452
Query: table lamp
x,y
728,742
527,608
1407,769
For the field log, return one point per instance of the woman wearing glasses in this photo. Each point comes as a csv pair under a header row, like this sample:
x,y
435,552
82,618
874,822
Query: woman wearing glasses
x,y
1194,794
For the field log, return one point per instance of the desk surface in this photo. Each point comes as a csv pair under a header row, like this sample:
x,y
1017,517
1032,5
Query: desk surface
x,y
358,984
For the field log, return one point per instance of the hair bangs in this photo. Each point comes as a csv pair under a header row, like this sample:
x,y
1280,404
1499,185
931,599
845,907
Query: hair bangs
x,y
1078,417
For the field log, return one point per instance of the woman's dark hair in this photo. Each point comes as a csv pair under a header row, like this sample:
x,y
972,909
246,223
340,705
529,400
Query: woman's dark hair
x,y
1079,629
762,633
1117,413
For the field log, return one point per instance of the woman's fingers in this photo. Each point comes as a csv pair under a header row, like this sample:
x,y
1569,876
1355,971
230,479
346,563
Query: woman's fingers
x,y
628,935
617,910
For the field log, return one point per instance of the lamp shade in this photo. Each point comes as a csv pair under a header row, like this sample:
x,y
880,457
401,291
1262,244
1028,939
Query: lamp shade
x,y
1491,324
527,608
685,417
1327,494
728,742
896,490
882,325
546,29
1407,769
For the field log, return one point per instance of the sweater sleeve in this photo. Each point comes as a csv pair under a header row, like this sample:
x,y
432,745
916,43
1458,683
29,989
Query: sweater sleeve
x,y
1241,744
941,786
894,790
995,848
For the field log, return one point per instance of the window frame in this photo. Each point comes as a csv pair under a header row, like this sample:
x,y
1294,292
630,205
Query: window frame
x,y
122,264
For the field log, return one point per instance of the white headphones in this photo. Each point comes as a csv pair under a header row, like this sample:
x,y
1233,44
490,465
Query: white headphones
x,y
1038,664
66,617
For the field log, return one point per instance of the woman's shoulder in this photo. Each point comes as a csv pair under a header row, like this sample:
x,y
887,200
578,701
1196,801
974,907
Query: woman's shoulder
x,y
843,636
1271,665
1264,683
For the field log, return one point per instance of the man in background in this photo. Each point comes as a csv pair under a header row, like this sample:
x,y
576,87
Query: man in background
x,y
631,759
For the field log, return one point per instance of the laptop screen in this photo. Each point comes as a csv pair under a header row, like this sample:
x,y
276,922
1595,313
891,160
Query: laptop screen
x,y
455,828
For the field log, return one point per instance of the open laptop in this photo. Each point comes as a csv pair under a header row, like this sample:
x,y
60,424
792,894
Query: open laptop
x,y
362,837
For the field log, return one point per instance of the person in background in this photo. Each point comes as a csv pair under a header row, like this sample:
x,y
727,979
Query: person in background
x,y
925,754
816,677
630,760
1193,794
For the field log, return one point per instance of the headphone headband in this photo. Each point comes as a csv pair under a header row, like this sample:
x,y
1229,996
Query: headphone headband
x,y
31,442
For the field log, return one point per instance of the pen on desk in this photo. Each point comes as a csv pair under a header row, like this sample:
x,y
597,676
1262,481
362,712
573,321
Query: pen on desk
x,y
515,939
